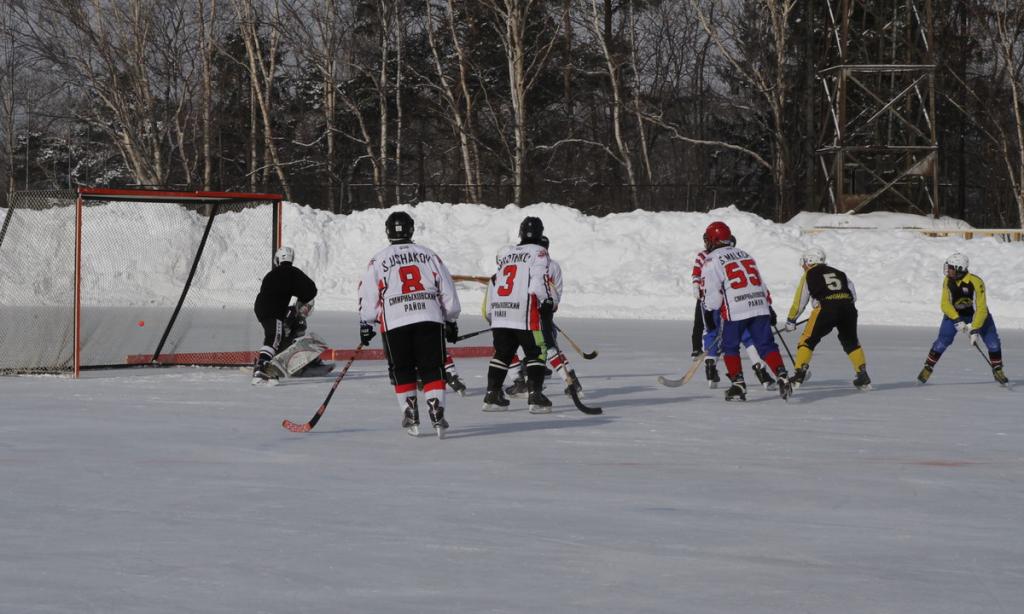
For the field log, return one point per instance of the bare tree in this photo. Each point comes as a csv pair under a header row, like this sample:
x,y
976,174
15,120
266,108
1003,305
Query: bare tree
x,y
526,60
1007,29
600,27
261,63
455,91
206,20
12,65
121,55
316,29
724,24
400,25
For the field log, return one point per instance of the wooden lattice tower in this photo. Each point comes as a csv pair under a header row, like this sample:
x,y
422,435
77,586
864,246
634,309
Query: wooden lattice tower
x,y
879,147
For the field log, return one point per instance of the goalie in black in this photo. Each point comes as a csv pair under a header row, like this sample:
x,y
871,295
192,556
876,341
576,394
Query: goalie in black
x,y
281,324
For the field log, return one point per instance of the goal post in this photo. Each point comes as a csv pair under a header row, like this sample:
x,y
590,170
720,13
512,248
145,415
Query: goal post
x,y
100,277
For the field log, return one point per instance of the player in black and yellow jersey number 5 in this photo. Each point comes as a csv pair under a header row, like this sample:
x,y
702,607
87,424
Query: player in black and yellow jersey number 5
x,y
833,298
965,309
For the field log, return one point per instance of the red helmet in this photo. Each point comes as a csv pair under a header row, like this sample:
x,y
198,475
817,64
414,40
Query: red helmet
x,y
717,235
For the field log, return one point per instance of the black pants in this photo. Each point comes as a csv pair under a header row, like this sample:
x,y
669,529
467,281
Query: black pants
x,y
273,335
391,364
506,342
415,350
697,335
841,317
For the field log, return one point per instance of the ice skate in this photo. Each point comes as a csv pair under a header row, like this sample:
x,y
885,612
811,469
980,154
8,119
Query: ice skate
x,y
518,388
997,373
862,381
925,373
494,400
260,376
711,371
799,375
762,376
737,391
785,388
437,420
411,418
455,383
539,404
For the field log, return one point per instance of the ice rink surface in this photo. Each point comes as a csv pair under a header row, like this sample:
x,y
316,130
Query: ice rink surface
x,y
177,490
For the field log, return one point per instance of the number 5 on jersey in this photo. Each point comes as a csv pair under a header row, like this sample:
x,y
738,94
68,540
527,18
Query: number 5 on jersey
x,y
742,274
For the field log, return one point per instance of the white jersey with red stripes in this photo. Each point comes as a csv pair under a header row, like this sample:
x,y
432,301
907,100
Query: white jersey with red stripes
x,y
404,284
554,281
733,284
520,285
695,275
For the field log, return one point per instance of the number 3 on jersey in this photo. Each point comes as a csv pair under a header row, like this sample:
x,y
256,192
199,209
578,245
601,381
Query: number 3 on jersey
x,y
509,273
742,274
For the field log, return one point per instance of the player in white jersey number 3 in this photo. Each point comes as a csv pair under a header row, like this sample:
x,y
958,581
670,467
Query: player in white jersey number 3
x,y
516,303
733,285
409,293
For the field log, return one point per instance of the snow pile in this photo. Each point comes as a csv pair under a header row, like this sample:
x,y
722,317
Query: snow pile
x,y
627,265
638,264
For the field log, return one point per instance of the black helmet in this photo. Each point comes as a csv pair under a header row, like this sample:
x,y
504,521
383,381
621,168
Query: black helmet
x,y
531,230
399,226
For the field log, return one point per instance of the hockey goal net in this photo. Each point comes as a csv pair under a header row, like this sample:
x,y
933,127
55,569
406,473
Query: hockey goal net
x,y
104,278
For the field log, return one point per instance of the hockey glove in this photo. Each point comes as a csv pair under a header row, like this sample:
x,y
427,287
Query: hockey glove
x,y
963,327
976,337
790,326
547,308
773,317
451,332
366,333
294,327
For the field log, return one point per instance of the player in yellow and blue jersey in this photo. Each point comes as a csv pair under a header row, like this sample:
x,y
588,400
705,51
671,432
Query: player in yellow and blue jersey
x,y
965,309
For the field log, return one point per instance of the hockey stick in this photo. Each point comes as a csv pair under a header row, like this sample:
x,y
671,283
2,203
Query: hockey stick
x,y
785,345
675,383
575,395
779,332
483,279
1004,382
307,427
983,356
590,411
585,355
473,334
697,361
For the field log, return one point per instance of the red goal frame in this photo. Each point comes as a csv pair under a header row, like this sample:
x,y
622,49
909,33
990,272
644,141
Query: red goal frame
x,y
87,193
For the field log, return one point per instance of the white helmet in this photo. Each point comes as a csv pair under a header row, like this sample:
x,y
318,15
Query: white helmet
x,y
284,254
812,256
958,262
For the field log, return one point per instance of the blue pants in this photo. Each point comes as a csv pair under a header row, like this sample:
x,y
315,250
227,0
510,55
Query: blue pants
x,y
947,333
712,344
756,331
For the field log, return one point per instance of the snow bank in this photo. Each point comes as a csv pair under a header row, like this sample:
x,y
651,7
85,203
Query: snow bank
x,y
637,264
626,265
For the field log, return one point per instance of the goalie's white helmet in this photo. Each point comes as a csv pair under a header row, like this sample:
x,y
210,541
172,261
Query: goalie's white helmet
x,y
284,254
958,263
812,256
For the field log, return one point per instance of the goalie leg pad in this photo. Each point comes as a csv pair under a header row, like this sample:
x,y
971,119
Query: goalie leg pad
x,y
295,357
